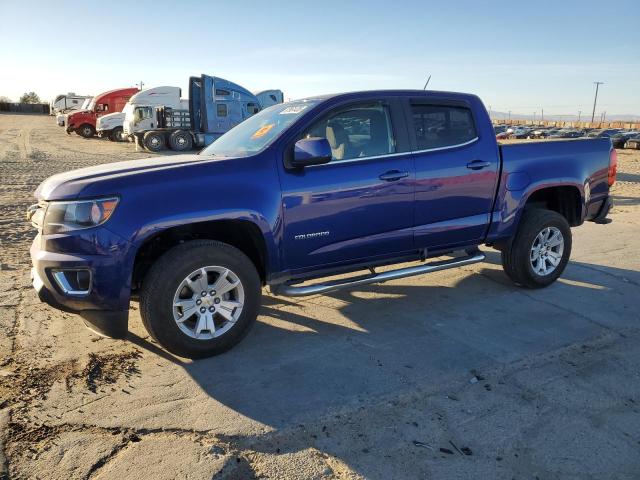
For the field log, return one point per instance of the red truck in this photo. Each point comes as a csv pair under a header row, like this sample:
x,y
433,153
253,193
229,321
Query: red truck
x,y
83,122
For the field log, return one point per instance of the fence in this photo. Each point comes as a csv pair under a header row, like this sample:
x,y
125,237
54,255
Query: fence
x,y
42,108
551,123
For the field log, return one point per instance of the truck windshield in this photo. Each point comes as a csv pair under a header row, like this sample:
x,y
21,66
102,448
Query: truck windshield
x,y
86,103
258,131
92,104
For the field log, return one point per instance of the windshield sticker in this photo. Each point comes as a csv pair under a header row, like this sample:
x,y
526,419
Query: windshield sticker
x,y
293,109
262,131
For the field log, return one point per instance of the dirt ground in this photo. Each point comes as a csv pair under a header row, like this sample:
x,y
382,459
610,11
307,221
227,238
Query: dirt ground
x,y
453,375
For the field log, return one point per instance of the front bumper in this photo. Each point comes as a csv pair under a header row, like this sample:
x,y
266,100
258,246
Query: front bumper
x,y
104,305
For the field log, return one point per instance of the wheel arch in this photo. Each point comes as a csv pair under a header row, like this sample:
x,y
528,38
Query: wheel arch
x,y
565,199
240,233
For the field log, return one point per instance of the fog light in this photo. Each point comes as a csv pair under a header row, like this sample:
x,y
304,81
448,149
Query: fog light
x,y
73,282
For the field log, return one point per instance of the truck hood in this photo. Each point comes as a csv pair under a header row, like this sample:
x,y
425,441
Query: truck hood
x,y
110,120
70,185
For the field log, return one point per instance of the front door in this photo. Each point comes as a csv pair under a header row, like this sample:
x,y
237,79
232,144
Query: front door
x,y
359,206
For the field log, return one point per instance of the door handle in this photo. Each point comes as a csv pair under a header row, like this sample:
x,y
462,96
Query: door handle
x,y
393,175
478,165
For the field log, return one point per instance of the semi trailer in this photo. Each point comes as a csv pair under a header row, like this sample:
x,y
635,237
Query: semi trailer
x,y
215,106
61,117
83,122
66,103
110,125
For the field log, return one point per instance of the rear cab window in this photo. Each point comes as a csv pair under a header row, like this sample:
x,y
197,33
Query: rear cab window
x,y
442,125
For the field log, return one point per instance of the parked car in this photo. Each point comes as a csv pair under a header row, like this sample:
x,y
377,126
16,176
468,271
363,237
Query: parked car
x,y
539,132
498,129
605,133
568,133
633,143
520,132
306,190
619,139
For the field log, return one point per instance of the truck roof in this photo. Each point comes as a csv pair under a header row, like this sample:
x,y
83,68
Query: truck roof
x,y
115,91
394,93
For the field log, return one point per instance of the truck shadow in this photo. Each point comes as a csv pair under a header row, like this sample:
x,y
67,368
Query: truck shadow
x,y
307,359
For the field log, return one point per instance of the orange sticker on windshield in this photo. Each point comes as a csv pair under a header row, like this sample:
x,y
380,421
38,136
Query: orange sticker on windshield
x,y
262,131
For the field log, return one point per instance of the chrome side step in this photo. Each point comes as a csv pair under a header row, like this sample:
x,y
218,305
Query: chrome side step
x,y
318,288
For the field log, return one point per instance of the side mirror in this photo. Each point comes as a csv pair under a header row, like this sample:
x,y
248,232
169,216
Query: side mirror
x,y
311,151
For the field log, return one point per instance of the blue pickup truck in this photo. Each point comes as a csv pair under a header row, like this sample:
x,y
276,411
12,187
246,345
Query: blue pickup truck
x,y
302,191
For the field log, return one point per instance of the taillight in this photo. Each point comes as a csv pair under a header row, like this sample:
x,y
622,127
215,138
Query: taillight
x,y
613,166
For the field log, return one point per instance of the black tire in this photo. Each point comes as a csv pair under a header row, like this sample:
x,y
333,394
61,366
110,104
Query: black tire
x,y
164,278
116,135
516,258
154,141
86,130
181,141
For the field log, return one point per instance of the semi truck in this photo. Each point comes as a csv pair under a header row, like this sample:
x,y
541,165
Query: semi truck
x,y
299,193
66,103
215,106
110,125
83,122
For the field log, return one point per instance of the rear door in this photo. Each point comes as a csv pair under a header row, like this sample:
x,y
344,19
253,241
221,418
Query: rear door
x,y
360,204
457,169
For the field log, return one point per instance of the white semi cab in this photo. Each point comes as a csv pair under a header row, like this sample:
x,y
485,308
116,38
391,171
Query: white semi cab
x,y
112,125
66,102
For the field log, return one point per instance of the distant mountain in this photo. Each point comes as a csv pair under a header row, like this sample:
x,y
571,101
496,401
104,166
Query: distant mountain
x,y
567,118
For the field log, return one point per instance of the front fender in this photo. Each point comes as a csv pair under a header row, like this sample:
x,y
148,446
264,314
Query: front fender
x,y
151,201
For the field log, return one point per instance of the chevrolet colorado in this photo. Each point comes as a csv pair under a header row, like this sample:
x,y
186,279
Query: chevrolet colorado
x,y
302,191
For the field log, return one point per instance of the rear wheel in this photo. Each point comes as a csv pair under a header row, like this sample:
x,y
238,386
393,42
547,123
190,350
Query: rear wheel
x,y
200,298
116,135
540,250
180,141
86,131
154,141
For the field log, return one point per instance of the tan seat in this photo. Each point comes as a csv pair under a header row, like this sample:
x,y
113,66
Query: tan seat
x,y
338,140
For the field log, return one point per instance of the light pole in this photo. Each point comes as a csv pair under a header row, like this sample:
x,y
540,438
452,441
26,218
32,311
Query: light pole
x,y
595,99
509,116
579,114
534,117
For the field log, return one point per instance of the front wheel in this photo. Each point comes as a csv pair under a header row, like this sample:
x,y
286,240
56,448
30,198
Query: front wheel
x,y
200,298
86,131
116,135
540,250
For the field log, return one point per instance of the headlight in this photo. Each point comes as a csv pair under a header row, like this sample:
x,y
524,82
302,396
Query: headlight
x,y
77,215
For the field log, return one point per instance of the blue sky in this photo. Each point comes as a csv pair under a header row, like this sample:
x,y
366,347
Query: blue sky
x,y
518,56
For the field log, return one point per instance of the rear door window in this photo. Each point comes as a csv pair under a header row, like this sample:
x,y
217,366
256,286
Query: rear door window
x,y
439,126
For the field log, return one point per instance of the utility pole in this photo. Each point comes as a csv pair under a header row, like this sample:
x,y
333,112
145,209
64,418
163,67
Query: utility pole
x,y
595,99
428,80
509,116
534,117
542,118
579,114
141,84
